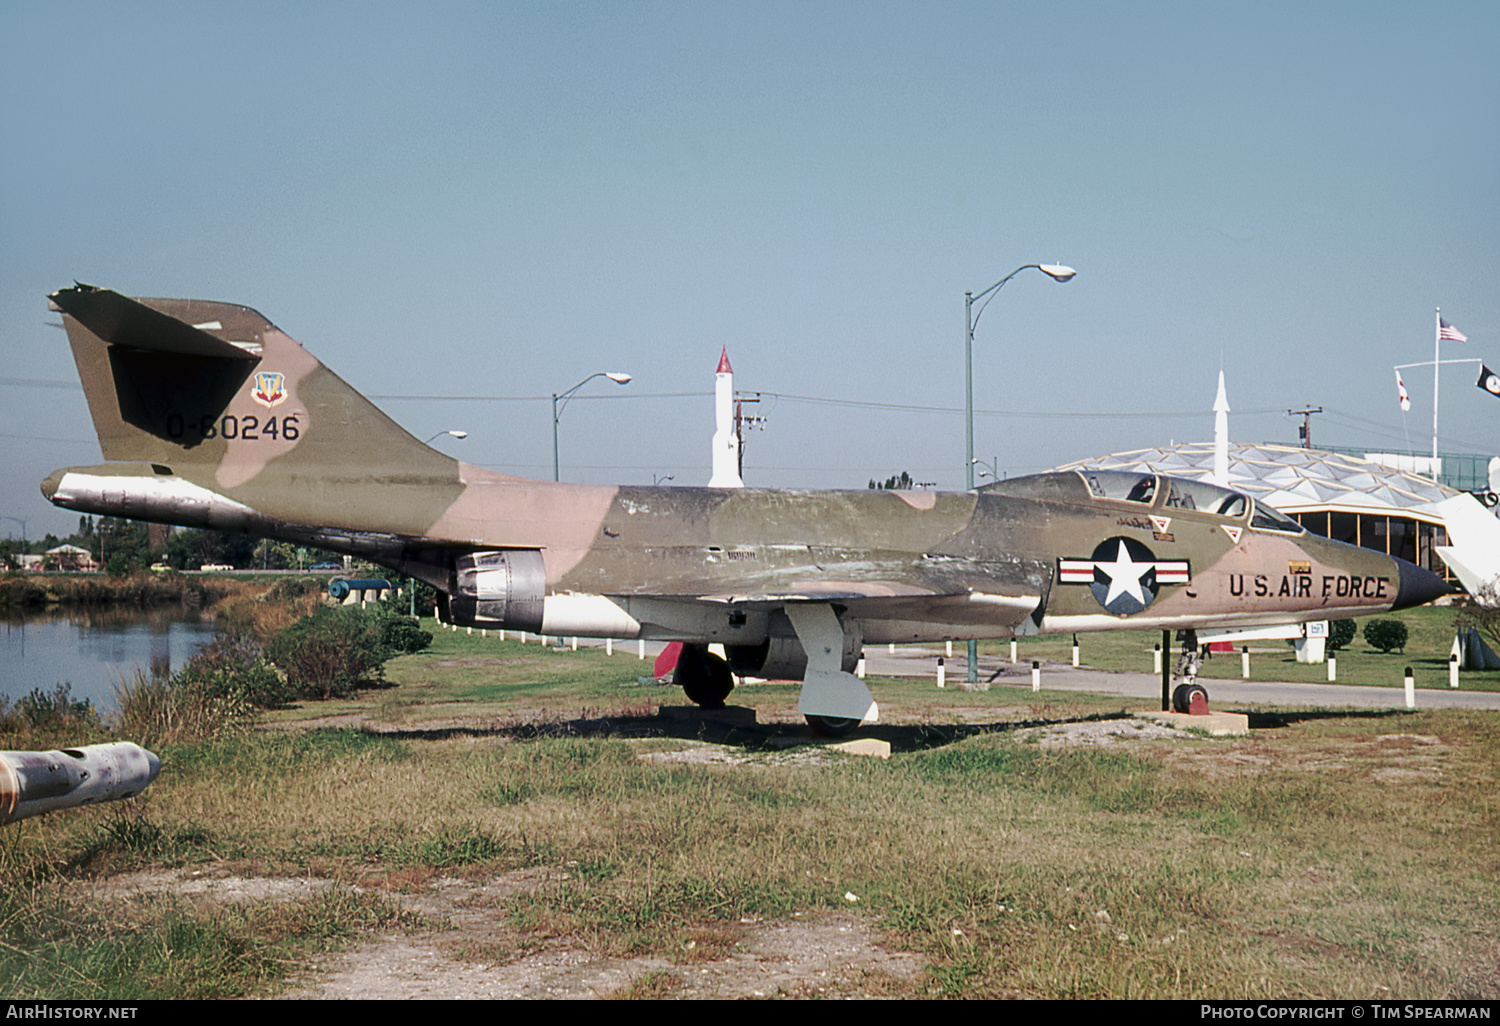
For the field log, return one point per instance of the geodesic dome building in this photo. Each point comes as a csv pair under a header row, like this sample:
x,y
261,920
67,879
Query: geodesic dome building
x,y
1332,494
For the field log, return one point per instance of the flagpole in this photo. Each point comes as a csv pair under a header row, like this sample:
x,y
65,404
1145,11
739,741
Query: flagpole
x,y
1437,335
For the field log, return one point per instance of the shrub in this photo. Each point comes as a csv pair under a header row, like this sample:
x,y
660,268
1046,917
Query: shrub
x,y
417,594
1341,633
235,666
400,635
42,720
177,710
331,652
43,711
1386,635
258,684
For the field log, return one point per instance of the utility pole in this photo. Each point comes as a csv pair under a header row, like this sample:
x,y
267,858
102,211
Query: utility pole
x,y
1305,431
742,420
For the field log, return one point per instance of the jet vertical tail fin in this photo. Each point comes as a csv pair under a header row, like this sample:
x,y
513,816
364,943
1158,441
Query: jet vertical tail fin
x,y
217,395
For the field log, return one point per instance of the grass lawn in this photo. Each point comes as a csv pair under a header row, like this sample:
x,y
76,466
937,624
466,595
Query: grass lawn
x,y
1338,855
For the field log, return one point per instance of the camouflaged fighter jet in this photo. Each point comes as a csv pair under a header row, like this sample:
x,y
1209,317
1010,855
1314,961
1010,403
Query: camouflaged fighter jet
x,y
212,417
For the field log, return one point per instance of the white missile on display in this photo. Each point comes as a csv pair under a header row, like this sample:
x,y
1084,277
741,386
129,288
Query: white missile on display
x,y
1221,436
726,457
32,783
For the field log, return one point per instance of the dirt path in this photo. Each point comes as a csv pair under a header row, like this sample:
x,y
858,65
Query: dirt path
x,y
474,952
827,956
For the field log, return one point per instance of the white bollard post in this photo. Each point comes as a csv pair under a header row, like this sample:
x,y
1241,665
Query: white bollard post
x,y
1013,658
948,649
484,632
575,644
1036,675
640,649
859,668
609,646
502,635
1453,671
940,674
1156,660
1075,651
1245,661
890,649
1411,690
468,632
1333,669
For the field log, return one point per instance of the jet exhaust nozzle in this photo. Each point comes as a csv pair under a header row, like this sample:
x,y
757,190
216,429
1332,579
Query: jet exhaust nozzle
x,y
32,783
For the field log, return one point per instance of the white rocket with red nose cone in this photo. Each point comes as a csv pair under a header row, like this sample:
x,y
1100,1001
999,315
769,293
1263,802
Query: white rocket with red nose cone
x,y
726,442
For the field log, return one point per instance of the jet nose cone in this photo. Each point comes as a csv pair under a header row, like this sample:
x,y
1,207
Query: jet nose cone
x,y
1418,586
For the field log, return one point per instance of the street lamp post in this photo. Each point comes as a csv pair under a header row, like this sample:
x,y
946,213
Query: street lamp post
x,y
455,433
20,521
1056,272
993,465
24,546
563,397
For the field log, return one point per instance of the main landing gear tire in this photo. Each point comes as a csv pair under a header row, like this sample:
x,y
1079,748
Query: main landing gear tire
x,y
1183,694
704,677
832,726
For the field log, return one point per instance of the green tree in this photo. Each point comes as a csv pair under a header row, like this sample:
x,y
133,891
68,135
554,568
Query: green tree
x,y
895,482
123,546
1341,633
1386,635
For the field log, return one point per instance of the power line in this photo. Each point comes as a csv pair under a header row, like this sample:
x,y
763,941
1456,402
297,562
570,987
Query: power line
x,y
538,398
41,383
820,401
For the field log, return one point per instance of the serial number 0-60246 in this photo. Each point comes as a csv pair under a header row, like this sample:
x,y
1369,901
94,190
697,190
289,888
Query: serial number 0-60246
x,y
248,428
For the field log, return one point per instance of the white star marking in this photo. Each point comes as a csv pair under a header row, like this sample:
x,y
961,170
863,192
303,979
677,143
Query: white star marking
x,y
1124,576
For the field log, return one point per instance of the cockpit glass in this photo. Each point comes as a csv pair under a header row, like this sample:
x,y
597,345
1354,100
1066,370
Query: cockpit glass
x,y
1120,484
1268,519
1204,497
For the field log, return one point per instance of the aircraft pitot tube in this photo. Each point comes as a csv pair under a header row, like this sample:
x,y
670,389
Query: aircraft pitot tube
x,y
32,783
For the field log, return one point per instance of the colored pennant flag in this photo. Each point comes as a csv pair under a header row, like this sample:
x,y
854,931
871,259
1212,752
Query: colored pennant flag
x,y
1401,394
1489,381
1449,332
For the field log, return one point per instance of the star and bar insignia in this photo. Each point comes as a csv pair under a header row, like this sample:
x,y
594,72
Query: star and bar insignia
x,y
1123,574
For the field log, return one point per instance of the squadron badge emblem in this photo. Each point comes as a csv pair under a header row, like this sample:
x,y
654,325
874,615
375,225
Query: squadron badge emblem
x,y
270,388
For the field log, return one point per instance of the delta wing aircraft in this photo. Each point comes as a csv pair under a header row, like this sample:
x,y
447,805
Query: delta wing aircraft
x,y
210,416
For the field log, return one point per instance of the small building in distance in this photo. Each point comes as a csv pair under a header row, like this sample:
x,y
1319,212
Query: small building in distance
x,y
69,557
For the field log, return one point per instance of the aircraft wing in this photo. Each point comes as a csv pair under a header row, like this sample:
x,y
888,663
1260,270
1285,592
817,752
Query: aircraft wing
x,y
940,589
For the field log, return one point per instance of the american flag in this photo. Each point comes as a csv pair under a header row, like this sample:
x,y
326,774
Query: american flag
x,y
1449,332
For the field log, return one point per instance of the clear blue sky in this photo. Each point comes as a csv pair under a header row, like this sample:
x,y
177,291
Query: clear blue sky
x,y
500,199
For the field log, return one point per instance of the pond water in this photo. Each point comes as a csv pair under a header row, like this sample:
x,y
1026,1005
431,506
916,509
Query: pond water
x,y
93,650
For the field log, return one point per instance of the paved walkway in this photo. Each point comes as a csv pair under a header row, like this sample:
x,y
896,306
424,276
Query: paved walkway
x,y
921,661
914,661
